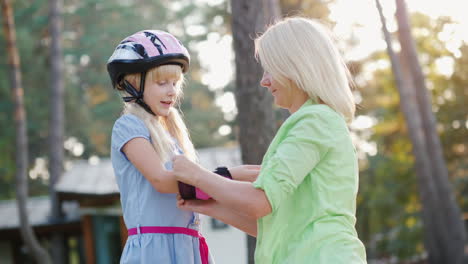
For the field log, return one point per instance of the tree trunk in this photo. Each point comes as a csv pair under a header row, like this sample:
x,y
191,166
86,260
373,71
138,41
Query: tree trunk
x,y
56,125
291,7
453,238
27,233
255,113
436,236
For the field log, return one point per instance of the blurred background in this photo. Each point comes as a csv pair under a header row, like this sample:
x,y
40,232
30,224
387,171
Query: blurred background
x,y
413,167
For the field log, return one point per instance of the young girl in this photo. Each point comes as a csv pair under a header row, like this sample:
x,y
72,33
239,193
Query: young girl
x,y
302,205
147,68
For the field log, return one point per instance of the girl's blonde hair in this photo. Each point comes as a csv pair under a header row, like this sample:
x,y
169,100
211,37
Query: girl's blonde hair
x,y
162,128
301,50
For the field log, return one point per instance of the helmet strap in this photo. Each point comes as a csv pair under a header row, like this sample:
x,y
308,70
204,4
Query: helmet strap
x,y
136,95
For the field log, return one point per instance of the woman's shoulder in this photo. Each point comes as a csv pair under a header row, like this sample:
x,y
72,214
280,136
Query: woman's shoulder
x,y
318,110
317,115
316,121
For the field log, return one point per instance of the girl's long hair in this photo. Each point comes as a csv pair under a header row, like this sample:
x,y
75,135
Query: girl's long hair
x,y
162,129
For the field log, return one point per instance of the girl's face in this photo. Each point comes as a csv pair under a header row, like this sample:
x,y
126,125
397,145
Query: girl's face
x,y
160,95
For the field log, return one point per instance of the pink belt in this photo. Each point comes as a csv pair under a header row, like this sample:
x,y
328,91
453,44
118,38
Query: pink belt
x,y
175,230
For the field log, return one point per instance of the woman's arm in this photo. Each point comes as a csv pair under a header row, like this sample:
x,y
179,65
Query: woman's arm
x,y
217,210
247,173
238,196
142,155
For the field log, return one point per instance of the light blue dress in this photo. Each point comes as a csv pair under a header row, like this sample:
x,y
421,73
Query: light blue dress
x,y
142,205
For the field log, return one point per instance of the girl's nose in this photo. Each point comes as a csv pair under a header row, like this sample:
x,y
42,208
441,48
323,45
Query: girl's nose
x,y
172,90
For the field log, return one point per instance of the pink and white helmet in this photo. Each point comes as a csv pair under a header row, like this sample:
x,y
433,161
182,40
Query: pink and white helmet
x,y
144,50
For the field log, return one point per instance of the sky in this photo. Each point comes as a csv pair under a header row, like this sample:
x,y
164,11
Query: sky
x,y
369,31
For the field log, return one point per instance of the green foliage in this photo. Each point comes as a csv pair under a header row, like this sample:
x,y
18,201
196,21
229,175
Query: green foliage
x,y
91,31
201,116
388,204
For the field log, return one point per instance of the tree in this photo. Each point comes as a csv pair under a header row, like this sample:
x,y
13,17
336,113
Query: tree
x,y
317,9
389,208
444,236
255,114
452,237
56,123
91,30
27,232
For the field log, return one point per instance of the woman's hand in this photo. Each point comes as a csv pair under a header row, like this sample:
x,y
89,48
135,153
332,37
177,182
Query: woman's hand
x,y
217,210
198,206
185,170
247,173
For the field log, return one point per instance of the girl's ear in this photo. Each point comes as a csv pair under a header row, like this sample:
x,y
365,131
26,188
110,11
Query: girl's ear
x,y
134,80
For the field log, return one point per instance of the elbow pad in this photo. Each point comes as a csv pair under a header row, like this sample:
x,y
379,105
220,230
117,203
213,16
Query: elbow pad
x,y
189,192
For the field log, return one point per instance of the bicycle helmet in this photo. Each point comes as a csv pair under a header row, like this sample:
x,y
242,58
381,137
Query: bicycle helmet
x,y
141,52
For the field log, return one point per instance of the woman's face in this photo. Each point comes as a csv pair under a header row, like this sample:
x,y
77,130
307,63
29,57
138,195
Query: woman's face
x,y
284,96
288,97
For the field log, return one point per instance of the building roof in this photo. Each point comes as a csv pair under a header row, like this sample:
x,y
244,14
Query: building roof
x,y
98,179
38,212
84,179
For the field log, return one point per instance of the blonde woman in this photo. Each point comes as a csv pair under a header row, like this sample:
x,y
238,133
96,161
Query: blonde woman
x,y
302,206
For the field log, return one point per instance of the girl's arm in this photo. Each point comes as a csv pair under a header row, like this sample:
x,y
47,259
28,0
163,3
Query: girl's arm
x,y
217,210
142,155
238,196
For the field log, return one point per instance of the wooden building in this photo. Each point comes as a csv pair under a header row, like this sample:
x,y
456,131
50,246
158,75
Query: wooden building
x,y
93,225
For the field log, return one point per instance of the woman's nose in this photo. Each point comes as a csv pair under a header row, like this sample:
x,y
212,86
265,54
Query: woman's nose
x,y
265,82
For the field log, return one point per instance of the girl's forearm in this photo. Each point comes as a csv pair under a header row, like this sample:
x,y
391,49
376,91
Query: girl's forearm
x,y
165,183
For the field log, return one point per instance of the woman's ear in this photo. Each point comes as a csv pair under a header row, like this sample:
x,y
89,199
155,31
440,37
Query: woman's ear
x,y
292,84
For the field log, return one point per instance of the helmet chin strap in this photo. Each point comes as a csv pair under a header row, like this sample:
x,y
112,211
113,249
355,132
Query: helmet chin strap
x,y
136,95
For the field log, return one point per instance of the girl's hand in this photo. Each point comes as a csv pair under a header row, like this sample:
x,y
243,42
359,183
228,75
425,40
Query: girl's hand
x,y
185,170
247,173
198,206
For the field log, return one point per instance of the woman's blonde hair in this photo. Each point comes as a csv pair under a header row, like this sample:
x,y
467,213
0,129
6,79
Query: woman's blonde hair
x,y
162,128
301,50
